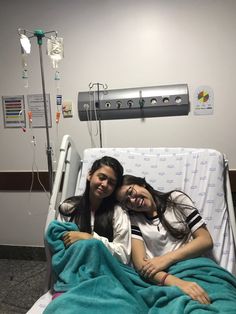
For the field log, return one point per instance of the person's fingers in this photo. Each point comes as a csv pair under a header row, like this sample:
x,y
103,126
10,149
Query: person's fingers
x,y
145,269
66,235
146,266
198,294
153,273
149,272
203,298
66,239
202,294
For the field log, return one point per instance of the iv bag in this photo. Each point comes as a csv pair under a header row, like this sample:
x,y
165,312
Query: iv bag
x,y
55,50
25,43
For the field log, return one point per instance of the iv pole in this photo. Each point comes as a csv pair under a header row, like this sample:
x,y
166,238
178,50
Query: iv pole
x,y
40,34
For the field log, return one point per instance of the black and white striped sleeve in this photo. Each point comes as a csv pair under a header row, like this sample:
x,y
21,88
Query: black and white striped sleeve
x,y
191,214
135,230
194,220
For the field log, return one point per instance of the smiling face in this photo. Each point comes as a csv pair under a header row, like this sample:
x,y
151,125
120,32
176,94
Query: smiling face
x,y
102,183
137,198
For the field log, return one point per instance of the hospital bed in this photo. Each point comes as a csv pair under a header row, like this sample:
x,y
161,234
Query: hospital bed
x,y
201,173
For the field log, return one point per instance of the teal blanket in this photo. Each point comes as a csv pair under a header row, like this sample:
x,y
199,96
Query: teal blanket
x,y
96,283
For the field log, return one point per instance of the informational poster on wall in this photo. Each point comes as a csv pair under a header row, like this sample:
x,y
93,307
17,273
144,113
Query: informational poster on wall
x,y
203,101
13,111
36,106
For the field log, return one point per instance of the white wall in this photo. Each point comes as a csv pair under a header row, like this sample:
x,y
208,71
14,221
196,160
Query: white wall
x,y
23,218
126,43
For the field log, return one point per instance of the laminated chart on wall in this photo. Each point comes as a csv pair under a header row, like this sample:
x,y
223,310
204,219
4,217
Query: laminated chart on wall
x,y
203,101
14,111
36,106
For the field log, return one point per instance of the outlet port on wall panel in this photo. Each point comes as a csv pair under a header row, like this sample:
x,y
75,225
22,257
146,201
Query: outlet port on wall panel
x,y
165,100
178,100
118,104
107,105
130,103
153,101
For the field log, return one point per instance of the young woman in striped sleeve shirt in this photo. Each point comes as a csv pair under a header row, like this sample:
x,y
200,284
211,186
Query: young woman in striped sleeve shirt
x,y
166,228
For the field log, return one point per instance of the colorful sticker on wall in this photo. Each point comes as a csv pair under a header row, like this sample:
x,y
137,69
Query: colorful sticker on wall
x,y
14,111
203,101
67,109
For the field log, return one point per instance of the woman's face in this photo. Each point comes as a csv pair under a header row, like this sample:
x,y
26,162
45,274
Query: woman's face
x,y
136,198
102,182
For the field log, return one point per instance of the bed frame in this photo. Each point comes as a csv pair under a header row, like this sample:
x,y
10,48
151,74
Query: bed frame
x,y
201,173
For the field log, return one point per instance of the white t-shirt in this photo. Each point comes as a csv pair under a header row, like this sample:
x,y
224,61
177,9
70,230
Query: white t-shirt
x,y
156,239
120,247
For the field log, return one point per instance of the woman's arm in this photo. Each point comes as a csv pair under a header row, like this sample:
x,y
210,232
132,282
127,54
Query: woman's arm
x,y
190,288
72,236
201,243
120,247
138,258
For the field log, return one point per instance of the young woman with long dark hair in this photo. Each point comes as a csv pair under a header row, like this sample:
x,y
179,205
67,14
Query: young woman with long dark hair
x,y
166,228
95,213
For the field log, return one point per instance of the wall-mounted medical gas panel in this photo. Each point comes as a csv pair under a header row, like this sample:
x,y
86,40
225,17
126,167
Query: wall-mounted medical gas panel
x,y
143,102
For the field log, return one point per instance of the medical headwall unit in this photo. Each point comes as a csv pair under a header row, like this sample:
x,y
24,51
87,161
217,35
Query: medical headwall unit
x,y
141,102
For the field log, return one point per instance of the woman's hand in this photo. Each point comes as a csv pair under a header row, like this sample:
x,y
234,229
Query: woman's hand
x,y
194,291
154,265
72,236
201,242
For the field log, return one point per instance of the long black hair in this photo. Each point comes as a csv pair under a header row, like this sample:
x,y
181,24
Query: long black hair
x,y
78,207
162,200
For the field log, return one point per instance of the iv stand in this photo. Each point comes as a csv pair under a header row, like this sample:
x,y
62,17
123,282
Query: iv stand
x,y
49,148
40,34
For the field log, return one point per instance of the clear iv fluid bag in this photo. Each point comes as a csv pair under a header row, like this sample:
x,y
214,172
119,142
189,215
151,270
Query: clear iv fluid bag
x,y
55,50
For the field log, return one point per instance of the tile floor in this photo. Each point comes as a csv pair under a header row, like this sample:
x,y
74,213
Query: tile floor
x,y
21,284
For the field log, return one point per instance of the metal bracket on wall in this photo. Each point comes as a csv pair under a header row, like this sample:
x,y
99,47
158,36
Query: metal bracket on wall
x,y
130,103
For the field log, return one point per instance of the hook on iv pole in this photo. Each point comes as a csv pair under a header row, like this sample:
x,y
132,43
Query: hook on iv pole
x,y
104,86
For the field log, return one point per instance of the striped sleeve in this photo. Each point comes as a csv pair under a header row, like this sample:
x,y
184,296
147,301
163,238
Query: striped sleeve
x,y
192,215
194,220
135,230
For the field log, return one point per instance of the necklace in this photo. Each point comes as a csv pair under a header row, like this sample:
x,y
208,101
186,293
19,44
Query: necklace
x,y
154,220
